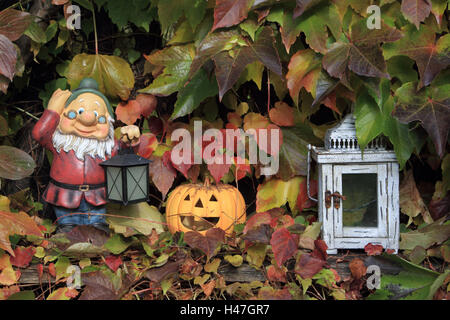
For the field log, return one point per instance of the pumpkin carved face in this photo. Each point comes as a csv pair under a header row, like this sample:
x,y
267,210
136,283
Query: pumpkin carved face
x,y
196,207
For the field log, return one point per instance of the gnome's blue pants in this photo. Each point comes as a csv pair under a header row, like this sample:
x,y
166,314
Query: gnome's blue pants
x,y
78,219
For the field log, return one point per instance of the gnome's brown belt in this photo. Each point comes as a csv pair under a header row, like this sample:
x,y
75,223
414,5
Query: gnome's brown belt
x,y
79,187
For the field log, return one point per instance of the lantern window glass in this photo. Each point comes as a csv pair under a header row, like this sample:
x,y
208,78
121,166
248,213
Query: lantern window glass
x,y
360,206
136,183
115,187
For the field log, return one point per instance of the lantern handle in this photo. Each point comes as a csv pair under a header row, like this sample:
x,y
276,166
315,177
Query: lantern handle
x,y
307,174
128,149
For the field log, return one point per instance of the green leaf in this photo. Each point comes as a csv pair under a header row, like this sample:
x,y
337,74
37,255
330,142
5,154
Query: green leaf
x,y
36,33
22,295
369,119
113,74
432,234
420,45
190,97
407,282
176,61
140,217
116,244
402,68
139,12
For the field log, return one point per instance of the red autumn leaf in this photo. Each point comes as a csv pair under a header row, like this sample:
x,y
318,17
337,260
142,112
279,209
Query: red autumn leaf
x,y
235,119
147,144
218,170
40,269
320,250
22,257
284,245
228,13
242,168
59,2
113,262
416,10
147,102
155,125
276,274
208,287
13,23
357,268
128,112
307,266
269,293
8,58
373,249
303,202
182,167
282,114
261,234
207,243
284,221
162,175
52,269
257,219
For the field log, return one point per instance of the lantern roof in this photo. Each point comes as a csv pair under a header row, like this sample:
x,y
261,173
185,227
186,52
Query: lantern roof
x,y
126,160
343,137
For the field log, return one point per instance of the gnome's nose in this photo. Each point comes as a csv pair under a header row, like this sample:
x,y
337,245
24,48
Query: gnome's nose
x,y
87,118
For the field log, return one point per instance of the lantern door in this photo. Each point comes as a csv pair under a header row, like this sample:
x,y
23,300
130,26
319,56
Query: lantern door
x,y
360,201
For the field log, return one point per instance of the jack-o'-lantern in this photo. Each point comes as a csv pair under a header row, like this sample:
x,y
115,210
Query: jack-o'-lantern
x,y
199,207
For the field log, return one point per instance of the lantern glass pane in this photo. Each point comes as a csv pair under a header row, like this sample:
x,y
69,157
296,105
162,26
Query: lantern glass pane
x,y
114,183
360,209
137,183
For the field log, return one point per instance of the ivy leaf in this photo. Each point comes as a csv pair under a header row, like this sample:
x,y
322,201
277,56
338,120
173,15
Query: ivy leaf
x,y
364,60
229,67
113,74
176,61
282,114
211,45
303,70
98,287
13,23
8,276
284,245
430,106
293,151
190,97
438,8
416,10
411,203
307,265
228,13
420,45
15,164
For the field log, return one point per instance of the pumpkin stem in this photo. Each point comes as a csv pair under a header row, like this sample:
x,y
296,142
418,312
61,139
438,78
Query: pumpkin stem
x,y
207,181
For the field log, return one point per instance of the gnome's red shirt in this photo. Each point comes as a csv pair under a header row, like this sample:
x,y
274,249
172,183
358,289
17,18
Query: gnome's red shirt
x,y
67,168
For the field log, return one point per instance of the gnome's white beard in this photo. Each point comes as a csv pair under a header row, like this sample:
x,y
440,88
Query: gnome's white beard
x,y
85,146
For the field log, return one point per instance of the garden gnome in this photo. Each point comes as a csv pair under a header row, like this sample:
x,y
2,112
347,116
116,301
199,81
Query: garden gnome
x,y
77,127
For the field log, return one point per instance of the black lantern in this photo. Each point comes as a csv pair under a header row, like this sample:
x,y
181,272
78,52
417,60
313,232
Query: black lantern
x,y
126,177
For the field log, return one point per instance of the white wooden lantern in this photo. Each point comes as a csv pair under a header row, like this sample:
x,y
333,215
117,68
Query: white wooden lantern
x,y
358,194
